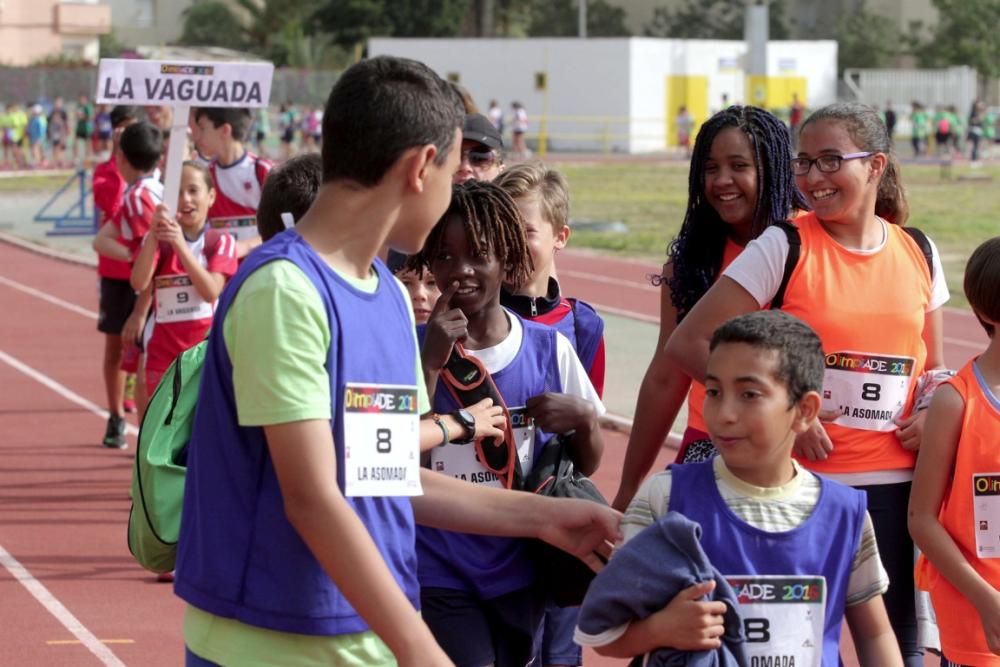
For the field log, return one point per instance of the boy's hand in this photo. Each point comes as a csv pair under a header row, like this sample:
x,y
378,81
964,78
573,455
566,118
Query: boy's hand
x,y
688,624
911,429
132,329
490,419
586,529
445,327
815,444
559,413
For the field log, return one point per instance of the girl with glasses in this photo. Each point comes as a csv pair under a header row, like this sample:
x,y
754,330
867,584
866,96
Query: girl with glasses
x,y
741,182
870,292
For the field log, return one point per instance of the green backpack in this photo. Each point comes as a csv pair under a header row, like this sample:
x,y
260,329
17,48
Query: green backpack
x,y
161,463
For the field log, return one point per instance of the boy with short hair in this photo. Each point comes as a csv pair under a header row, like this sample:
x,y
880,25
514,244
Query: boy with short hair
x,y
542,196
117,298
238,173
297,538
766,523
288,193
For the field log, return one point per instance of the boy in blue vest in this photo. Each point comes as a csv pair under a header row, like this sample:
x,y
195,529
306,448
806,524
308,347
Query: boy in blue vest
x,y
798,550
541,195
303,479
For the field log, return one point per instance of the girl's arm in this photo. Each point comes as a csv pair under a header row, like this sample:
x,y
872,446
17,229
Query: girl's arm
x,y
933,335
209,284
931,479
687,347
145,263
106,243
663,390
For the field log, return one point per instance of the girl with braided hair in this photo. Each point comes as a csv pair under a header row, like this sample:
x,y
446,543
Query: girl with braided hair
x,y
740,182
485,587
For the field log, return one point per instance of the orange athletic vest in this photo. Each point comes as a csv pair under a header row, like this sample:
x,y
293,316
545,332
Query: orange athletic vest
x,y
696,395
978,452
869,311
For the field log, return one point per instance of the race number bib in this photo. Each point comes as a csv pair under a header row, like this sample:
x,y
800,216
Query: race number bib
x,y
177,300
869,390
783,617
381,440
986,514
461,461
240,227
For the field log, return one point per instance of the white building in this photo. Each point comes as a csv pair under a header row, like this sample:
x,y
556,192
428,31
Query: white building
x,y
622,94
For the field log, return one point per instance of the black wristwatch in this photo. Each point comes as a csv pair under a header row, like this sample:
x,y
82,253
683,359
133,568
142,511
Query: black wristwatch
x,y
467,422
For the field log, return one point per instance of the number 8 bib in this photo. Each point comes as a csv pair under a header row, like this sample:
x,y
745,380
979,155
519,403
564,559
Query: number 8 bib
x,y
869,390
783,618
381,440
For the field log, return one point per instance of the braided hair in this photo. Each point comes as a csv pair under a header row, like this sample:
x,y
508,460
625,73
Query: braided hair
x,y
491,223
696,253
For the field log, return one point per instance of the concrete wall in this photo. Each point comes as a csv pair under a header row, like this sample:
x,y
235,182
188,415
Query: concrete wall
x,y
612,94
37,29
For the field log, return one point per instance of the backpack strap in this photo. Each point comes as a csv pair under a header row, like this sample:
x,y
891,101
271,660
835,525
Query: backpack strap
x,y
925,247
468,381
794,250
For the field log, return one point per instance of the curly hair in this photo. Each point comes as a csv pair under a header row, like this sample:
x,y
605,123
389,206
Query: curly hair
x,y
491,223
696,252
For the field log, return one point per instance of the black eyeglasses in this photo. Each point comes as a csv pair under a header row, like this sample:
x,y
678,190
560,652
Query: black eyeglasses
x,y
479,159
825,163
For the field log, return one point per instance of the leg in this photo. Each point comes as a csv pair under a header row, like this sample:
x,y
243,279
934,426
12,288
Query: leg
x,y
459,624
514,621
887,504
114,376
557,646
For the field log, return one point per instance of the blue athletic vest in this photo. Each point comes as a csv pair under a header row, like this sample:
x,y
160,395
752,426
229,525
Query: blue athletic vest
x,y
824,544
585,329
238,556
492,566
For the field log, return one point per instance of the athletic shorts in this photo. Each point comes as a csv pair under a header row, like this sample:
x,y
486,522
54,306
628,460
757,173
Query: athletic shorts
x,y
500,631
117,301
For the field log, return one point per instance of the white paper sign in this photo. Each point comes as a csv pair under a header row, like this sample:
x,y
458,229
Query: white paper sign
x,y
184,83
783,617
381,440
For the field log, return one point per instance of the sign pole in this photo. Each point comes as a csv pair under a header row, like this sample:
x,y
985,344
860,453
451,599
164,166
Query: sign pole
x,y
175,158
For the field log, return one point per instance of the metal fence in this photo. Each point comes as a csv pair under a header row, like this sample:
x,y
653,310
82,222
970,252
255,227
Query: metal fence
x,y
931,87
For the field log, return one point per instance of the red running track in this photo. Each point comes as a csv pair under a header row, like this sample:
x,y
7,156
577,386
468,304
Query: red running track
x,y
71,593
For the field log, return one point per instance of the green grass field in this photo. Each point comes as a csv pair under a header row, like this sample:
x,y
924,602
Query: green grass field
x,y
41,182
650,199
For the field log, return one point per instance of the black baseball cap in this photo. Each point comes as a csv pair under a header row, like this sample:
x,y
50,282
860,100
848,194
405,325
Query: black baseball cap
x,y
478,128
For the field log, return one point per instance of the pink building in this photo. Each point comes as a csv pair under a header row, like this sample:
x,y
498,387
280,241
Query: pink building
x,y
31,30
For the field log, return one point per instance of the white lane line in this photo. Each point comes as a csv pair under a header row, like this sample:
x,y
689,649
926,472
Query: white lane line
x,y
60,389
965,343
45,296
58,610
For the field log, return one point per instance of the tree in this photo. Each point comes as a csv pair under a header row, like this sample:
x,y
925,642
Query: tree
x,y
559,18
349,22
966,34
212,24
866,39
712,19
